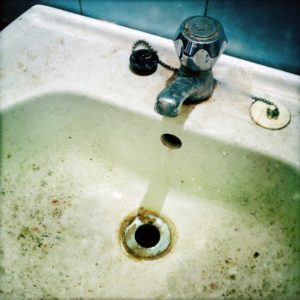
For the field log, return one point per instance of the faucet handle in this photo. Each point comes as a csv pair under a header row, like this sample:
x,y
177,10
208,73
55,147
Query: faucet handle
x,y
199,42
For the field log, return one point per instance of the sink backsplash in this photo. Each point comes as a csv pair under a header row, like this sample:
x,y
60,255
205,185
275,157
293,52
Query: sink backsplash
x,y
266,32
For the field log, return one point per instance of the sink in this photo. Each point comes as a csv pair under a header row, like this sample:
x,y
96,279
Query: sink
x,y
82,149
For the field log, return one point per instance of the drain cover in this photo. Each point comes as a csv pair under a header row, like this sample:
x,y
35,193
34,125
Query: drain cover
x,y
259,114
146,236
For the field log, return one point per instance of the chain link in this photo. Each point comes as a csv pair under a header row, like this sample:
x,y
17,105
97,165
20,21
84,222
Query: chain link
x,y
149,47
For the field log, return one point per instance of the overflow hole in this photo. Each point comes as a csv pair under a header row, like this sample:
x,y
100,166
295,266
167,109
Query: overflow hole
x,y
147,235
171,141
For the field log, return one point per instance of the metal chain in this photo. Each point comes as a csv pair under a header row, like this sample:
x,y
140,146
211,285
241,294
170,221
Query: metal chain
x,y
271,113
149,47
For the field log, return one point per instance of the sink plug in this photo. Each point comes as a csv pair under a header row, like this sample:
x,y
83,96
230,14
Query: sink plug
x,y
270,115
199,42
143,61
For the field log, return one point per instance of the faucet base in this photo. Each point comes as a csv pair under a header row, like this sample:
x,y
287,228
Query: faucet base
x,y
195,100
203,84
193,87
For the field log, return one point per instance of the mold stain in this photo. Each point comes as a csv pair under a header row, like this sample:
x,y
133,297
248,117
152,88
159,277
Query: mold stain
x,y
61,41
38,233
22,67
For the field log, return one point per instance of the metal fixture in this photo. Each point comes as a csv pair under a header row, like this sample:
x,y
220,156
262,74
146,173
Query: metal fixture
x,y
146,236
199,42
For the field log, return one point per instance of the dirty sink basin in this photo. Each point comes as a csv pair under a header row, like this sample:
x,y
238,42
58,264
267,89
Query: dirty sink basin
x,y
82,149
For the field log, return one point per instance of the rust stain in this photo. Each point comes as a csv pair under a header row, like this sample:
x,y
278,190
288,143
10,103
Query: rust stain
x,y
213,285
172,78
55,202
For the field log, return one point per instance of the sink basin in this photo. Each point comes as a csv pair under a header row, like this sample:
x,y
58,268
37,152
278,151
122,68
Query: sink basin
x,y
82,148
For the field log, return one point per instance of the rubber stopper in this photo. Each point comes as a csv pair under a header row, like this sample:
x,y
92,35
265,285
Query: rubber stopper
x,y
143,62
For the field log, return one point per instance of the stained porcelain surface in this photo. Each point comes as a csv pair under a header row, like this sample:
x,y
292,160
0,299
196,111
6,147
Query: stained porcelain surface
x,y
81,149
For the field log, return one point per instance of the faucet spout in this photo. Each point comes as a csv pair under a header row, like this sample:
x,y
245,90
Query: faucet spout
x,y
187,85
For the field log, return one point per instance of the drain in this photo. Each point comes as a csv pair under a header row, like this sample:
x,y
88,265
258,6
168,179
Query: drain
x,y
171,141
146,235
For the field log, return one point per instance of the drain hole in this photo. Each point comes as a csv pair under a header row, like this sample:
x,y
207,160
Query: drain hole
x,y
147,235
171,141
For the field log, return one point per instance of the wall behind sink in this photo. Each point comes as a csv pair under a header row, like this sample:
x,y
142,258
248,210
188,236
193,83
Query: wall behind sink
x,y
262,31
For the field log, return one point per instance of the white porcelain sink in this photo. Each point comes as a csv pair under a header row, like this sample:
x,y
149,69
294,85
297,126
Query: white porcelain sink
x,y
81,150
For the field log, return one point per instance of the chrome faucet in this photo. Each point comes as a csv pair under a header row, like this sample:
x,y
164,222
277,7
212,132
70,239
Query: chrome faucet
x,y
199,42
